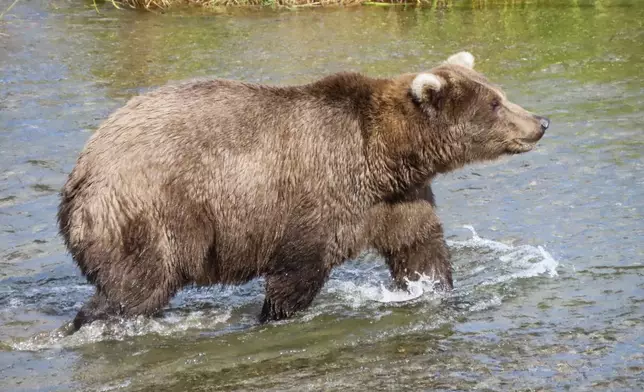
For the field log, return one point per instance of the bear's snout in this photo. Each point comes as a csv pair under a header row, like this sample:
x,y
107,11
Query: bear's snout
x,y
544,122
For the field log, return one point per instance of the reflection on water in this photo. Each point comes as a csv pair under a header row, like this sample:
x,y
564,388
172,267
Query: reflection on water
x,y
548,292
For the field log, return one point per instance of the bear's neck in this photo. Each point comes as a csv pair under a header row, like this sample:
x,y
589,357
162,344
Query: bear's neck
x,y
401,154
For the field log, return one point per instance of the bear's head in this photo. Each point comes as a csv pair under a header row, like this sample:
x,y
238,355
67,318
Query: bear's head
x,y
471,119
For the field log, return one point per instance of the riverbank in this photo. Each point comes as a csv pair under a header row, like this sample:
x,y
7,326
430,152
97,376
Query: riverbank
x,y
165,5
168,4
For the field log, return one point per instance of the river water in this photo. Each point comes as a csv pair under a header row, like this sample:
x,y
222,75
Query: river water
x,y
548,247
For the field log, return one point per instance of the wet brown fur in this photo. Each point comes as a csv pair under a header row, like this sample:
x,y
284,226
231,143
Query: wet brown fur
x,y
220,182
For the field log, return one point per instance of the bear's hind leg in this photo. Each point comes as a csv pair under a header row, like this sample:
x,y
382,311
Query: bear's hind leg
x,y
139,284
142,299
410,236
96,308
292,291
298,271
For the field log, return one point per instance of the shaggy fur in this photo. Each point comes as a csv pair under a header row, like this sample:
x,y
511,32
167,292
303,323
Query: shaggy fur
x,y
220,182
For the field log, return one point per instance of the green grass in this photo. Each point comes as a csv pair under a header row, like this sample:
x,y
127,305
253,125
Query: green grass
x,y
166,4
474,4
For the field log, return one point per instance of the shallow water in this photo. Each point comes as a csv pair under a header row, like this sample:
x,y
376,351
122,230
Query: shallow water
x,y
548,247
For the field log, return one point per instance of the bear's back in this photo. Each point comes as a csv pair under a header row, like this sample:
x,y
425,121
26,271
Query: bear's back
x,y
226,125
223,153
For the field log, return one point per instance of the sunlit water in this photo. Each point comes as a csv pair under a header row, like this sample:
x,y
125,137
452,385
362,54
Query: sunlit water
x,y
548,247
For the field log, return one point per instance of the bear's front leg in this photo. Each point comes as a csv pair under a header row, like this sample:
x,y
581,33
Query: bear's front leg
x,y
410,236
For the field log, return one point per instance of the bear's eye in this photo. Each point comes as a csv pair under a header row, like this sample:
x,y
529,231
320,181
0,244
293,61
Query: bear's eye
x,y
496,105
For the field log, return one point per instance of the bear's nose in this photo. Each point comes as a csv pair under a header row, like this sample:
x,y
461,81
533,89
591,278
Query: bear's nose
x,y
544,122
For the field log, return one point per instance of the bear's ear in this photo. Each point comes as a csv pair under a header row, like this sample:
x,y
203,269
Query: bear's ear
x,y
464,59
424,83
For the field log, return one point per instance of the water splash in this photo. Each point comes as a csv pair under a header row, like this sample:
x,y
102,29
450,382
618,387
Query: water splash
x,y
170,324
479,243
485,272
375,289
508,262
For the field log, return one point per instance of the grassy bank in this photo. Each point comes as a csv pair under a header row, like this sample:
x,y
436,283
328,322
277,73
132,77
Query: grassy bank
x,y
166,4
151,5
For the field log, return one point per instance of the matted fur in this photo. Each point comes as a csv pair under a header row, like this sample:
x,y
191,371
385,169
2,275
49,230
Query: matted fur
x,y
223,181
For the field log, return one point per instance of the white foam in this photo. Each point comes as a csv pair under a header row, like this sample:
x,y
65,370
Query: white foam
x,y
170,324
357,295
415,289
478,242
547,265
15,303
113,387
486,304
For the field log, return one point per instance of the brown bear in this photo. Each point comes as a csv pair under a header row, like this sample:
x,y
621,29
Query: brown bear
x,y
221,182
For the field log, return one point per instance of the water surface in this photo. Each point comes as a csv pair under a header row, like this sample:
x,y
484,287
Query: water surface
x,y
548,247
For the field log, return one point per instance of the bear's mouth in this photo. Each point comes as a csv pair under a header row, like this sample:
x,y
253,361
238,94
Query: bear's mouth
x,y
519,146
